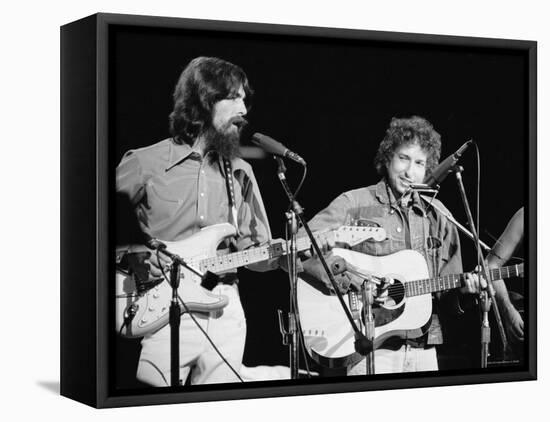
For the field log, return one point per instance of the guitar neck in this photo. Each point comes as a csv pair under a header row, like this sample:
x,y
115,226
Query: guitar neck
x,y
454,281
249,256
234,260
345,234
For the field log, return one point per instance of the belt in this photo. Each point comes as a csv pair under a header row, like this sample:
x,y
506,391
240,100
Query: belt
x,y
230,278
395,343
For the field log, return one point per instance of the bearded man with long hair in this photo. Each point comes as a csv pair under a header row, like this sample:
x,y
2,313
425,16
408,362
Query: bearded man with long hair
x,y
184,183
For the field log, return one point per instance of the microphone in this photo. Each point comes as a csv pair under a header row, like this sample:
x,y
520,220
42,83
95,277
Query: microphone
x,y
443,169
271,146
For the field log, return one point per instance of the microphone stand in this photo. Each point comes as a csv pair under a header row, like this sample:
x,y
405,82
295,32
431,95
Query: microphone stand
x,y
175,311
368,316
459,226
362,344
290,335
487,295
175,320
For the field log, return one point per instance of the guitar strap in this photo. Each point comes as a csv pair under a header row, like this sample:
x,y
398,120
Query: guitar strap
x,y
228,170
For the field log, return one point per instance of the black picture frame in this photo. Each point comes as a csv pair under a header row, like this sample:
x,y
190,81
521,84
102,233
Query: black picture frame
x,y
91,146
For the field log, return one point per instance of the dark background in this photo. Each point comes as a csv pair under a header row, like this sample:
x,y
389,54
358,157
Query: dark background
x,y
331,100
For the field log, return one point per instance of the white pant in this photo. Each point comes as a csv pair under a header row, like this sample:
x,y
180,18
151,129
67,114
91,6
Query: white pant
x,y
405,359
228,332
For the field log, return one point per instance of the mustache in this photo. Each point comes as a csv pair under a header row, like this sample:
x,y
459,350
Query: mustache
x,y
238,121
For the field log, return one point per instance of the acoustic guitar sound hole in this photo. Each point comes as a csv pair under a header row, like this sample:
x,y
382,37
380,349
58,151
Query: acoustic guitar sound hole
x,y
395,296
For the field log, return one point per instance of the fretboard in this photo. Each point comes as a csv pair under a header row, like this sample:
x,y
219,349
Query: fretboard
x,y
454,281
249,256
345,234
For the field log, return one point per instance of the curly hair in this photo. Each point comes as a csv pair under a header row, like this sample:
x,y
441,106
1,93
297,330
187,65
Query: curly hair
x,y
205,81
410,130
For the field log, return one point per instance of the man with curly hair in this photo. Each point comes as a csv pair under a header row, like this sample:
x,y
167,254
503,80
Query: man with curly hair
x,y
409,151
184,183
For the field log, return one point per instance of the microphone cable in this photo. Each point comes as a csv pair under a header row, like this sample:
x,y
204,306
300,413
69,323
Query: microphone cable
x,y
304,173
478,189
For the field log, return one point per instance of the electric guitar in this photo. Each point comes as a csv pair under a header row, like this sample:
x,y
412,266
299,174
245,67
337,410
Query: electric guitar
x,y
142,308
406,312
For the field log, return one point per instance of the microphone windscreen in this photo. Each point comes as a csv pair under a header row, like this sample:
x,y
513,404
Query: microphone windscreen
x,y
270,145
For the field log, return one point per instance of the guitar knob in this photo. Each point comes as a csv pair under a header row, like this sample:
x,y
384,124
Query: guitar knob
x,y
156,295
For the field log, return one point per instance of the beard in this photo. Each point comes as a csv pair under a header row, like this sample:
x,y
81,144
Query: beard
x,y
224,142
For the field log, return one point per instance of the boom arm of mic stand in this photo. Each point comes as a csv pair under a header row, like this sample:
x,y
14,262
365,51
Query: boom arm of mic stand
x,y
181,261
456,223
362,344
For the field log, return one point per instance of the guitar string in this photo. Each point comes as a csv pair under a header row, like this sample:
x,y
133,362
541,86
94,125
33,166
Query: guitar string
x,y
244,256
451,279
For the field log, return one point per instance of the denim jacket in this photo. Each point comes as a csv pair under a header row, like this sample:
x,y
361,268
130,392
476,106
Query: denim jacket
x,y
416,226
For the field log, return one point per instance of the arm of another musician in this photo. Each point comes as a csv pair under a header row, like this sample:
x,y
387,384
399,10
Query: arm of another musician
x,y
498,256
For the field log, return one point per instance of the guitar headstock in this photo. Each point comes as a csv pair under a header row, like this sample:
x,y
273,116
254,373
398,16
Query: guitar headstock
x,y
353,235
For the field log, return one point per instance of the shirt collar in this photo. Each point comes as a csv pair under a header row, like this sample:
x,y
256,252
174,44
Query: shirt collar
x,y
179,152
385,196
382,192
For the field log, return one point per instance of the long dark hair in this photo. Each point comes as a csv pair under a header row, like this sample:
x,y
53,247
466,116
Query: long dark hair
x,y
205,81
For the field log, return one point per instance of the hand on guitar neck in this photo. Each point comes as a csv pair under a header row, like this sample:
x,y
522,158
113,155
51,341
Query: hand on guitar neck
x,y
474,282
